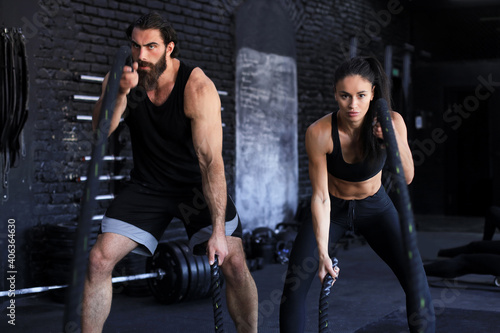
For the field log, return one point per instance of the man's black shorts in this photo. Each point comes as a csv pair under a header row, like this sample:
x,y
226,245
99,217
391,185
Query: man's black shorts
x,y
142,213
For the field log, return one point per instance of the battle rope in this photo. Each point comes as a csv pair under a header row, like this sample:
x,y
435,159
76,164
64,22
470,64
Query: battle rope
x,y
14,85
6,110
21,113
216,296
79,263
417,277
323,300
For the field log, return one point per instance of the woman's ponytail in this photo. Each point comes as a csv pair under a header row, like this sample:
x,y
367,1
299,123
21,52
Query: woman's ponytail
x,y
381,82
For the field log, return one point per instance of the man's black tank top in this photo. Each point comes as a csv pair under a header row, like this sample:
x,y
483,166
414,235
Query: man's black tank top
x,y
162,142
352,172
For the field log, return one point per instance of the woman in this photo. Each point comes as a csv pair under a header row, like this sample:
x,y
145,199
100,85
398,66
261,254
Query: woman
x,y
346,158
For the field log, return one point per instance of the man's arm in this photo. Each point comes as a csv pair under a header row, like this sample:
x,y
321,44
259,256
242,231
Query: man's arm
x,y
128,81
202,106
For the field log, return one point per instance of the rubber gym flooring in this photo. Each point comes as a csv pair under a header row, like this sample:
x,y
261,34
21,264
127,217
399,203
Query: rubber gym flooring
x,y
366,299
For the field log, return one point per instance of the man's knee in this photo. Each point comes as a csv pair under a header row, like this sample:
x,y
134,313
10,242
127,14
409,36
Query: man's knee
x,y
100,264
235,266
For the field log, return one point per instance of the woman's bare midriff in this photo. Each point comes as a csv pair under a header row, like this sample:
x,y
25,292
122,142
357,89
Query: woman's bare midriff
x,y
354,190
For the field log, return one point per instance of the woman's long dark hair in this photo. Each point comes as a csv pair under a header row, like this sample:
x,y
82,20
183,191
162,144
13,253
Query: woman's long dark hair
x,y
370,69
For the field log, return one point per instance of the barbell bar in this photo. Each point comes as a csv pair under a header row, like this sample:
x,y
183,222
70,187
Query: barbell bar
x,y
158,274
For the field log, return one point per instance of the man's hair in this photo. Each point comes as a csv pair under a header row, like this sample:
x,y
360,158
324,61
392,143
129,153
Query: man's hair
x,y
156,21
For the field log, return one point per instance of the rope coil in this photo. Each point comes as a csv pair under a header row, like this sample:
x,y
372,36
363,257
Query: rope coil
x,y
216,296
323,300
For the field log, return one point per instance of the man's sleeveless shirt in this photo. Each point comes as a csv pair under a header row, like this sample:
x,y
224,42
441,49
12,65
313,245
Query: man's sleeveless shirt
x,y
162,142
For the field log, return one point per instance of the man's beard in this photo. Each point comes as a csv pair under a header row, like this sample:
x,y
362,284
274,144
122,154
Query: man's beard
x,y
149,79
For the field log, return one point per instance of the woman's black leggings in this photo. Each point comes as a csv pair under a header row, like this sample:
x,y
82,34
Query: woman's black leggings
x,y
377,220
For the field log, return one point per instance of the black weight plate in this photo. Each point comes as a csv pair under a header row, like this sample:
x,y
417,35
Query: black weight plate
x,y
185,252
193,270
198,280
204,273
167,289
173,286
203,268
184,270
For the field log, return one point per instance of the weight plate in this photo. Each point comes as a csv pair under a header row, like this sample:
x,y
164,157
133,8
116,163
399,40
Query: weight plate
x,y
184,270
173,286
167,289
204,274
193,270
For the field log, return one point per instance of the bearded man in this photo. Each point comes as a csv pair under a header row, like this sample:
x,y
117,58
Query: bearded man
x,y
173,113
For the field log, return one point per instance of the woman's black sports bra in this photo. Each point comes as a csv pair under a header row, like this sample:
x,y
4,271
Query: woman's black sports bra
x,y
355,172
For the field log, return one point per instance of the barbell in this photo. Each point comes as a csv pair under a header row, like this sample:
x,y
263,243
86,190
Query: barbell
x,y
159,274
174,275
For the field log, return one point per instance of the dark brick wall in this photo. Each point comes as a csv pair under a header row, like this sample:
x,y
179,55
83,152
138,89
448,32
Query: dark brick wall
x,y
70,38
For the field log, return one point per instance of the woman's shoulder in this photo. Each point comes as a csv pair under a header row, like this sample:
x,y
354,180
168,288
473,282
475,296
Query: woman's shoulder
x,y
322,123
397,119
396,115
320,131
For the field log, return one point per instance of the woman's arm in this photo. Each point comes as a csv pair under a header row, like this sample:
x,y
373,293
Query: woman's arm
x,y
318,140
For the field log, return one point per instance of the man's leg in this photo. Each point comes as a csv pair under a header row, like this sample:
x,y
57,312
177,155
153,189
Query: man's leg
x,y
242,298
108,250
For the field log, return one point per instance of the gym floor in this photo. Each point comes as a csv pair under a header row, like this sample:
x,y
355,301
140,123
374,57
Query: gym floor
x,y
366,299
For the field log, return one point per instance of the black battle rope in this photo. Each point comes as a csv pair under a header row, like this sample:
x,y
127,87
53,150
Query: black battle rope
x,y
14,105
323,300
74,293
21,111
216,296
418,281
7,115
6,86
